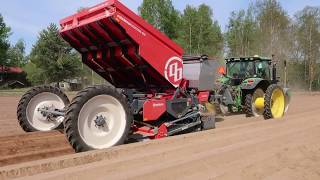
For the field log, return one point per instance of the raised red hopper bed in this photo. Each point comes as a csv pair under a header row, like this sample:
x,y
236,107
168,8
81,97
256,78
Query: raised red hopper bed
x,y
123,48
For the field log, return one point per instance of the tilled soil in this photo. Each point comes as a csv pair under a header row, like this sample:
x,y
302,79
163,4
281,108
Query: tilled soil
x,y
239,148
8,118
17,146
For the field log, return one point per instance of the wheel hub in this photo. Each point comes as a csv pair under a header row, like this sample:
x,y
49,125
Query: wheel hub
x,y
277,103
259,103
100,121
46,108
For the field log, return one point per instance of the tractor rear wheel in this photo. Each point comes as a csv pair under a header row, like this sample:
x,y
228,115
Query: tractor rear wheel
x,y
274,103
98,118
29,113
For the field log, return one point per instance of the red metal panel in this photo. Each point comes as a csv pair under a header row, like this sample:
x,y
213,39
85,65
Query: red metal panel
x,y
153,109
135,48
203,96
161,53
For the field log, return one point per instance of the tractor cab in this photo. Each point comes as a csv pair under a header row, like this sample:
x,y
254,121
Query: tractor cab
x,y
241,68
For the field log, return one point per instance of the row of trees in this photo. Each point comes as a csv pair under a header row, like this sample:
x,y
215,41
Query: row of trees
x,y
10,55
51,58
194,28
265,28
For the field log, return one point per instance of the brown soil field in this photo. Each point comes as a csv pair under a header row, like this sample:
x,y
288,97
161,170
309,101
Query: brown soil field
x,y
17,146
239,148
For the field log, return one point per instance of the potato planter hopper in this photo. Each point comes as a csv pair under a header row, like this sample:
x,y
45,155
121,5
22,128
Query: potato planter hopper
x,y
123,48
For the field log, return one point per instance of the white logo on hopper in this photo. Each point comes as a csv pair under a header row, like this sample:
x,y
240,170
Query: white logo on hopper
x,y
174,71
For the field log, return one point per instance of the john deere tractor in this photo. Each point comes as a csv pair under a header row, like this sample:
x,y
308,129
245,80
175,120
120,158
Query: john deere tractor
x,y
250,85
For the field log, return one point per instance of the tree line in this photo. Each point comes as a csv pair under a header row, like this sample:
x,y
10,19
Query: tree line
x,y
264,29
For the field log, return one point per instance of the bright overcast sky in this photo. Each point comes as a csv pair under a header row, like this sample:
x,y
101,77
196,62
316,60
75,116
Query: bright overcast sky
x,y
28,17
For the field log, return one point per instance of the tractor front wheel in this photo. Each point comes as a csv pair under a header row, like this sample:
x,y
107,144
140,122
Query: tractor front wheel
x,y
274,103
97,118
253,107
248,105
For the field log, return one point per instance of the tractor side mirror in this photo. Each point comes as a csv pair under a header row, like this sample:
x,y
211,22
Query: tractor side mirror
x,y
222,71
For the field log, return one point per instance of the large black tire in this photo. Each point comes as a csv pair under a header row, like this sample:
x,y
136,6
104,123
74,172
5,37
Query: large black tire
x,y
268,101
248,105
26,99
72,131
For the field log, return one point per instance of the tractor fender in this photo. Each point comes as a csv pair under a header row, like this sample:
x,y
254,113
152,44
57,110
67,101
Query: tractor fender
x,y
252,83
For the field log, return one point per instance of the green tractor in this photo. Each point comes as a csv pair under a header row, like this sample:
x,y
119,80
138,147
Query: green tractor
x,y
250,85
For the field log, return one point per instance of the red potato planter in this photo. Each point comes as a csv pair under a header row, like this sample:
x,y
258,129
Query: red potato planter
x,y
156,91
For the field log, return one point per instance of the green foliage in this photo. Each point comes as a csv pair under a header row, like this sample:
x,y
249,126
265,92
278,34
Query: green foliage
x,y
242,33
4,44
162,15
273,27
16,54
34,74
307,32
296,75
262,29
53,57
199,34
193,29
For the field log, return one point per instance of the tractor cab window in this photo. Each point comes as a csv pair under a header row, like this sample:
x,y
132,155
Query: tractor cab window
x,y
262,69
240,69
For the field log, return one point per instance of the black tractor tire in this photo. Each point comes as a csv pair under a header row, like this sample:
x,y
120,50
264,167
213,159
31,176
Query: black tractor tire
x,y
72,116
268,101
248,105
208,122
28,96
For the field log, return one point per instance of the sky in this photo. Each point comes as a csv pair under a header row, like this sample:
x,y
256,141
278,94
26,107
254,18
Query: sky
x,y
28,17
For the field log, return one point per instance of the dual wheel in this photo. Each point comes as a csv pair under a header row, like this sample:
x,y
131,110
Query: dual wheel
x,y
97,118
270,104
